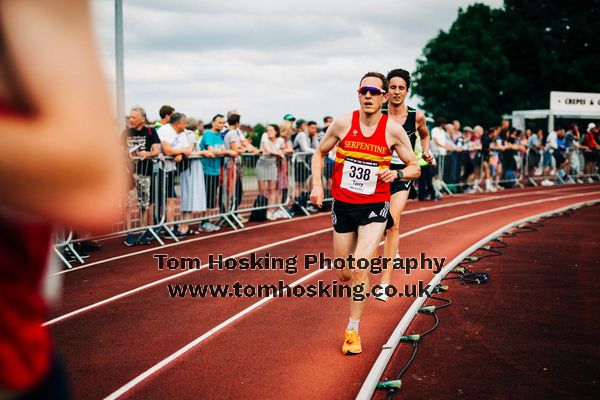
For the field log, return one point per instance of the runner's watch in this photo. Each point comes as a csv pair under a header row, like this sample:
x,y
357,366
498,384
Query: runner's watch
x,y
400,175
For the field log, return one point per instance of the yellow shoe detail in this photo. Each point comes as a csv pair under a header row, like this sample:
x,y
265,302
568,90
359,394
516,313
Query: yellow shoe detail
x,y
351,343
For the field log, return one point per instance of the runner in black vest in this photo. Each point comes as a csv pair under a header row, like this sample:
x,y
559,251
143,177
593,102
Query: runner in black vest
x,y
414,124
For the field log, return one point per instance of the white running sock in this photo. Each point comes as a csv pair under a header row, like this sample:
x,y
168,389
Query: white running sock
x,y
353,324
382,294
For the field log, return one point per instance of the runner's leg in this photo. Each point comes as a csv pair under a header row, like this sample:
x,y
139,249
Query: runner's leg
x,y
390,247
365,246
344,244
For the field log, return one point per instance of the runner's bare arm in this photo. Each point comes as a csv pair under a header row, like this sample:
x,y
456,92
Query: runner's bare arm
x,y
424,136
331,138
60,159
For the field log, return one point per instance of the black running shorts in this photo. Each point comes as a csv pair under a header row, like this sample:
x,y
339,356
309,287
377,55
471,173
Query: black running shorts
x,y
348,217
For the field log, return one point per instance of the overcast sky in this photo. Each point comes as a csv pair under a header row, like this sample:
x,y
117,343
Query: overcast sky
x,y
265,58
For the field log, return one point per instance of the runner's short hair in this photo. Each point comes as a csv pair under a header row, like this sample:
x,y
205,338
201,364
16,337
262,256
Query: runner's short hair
x,y
384,82
217,116
400,73
309,123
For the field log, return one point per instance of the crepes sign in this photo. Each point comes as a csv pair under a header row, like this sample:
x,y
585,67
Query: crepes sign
x,y
575,103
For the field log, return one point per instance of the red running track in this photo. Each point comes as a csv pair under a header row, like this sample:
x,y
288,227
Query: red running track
x,y
530,332
287,347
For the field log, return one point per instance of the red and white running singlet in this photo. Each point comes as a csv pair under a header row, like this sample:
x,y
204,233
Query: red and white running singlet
x,y
357,161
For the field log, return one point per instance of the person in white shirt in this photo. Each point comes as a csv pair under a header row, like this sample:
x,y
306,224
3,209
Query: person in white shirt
x,y
302,140
236,140
313,134
551,145
193,190
438,144
172,144
456,133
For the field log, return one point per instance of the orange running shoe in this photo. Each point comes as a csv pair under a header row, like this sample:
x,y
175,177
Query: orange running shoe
x,y
351,343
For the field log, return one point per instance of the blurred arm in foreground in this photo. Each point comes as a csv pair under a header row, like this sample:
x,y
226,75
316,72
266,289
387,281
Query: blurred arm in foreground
x,y
60,159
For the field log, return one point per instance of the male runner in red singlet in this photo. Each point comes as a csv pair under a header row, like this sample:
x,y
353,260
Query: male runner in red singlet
x,y
361,185
413,122
51,171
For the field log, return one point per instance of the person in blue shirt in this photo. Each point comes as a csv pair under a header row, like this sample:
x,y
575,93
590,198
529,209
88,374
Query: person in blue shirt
x,y
213,141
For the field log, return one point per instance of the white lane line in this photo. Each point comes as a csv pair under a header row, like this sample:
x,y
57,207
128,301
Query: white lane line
x,y
212,236
448,221
154,369
368,387
204,266
489,198
177,275
197,341
266,225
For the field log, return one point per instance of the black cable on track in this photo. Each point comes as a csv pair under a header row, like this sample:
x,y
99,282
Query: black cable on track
x,y
467,275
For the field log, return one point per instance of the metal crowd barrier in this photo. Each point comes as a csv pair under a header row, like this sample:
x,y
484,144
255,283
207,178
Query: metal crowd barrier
x,y
301,176
63,246
167,197
139,210
253,195
475,171
574,171
164,195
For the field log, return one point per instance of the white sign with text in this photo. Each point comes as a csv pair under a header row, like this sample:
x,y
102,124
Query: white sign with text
x,y
575,103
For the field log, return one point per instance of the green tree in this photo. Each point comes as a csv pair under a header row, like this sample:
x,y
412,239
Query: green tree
x,y
553,45
462,73
493,61
258,129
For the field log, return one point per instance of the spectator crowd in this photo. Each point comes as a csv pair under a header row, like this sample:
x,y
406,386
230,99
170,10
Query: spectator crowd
x,y
478,159
201,165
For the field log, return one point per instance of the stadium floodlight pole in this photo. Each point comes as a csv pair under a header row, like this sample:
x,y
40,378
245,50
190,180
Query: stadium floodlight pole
x,y
120,78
